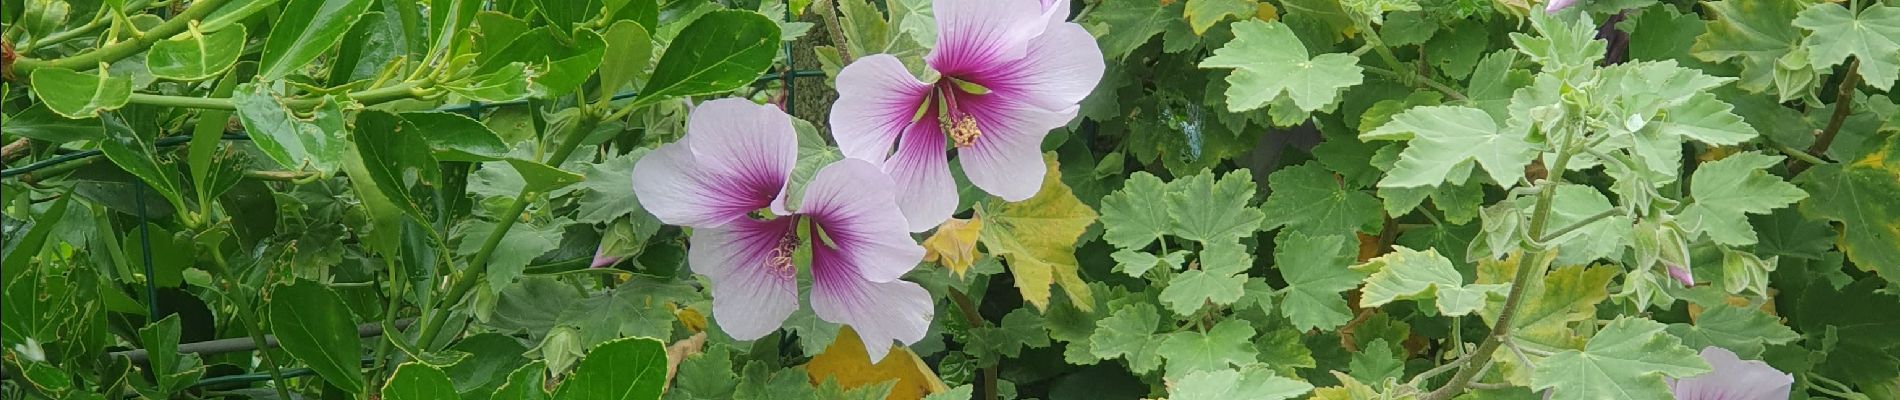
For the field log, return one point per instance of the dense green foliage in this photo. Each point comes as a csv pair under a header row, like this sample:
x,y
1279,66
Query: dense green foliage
x,y
1262,199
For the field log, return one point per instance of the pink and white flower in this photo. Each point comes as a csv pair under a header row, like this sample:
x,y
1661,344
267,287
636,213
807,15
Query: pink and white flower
x,y
1733,379
1009,71
727,180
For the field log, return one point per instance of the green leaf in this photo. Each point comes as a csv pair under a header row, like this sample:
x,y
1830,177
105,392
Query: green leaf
x,y
1864,197
542,178
38,122
1138,214
1124,26
1744,331
1137,263
1440,139
161,348
1038,237
196,56
396,158
294,142
1496,82
624,369
608,193
1248,383
1551,302
1406,274
1203,14
1572,204
133,148
1708,120
314,325
563,14
454,137
1308,199
1230,342
1376,362
1758,32
521,244
1268,60
1019,329
1726,190
78,95
1210,211
493,356
1563,46
419,381
525,383
1626,360
1315,268
629,51
1187,292
1129,333
304,31
964,392
721,51
1873,37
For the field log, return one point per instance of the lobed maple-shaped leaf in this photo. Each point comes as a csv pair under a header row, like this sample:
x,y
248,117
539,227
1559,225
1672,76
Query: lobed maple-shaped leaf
x,y
1625,360
1758,32
1726,190
1137,215
1254,383
1129,333
1863,195
1203,14
1210,211
1230,342
1741,330
1563,46
1309,199
1873,37
1037,236
1136,263
1406,274
1126,25
1551,302
1443,138
1316,272
1268,61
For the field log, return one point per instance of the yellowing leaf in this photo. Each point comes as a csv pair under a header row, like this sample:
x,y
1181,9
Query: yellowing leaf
x,y
1037,238
846,362
954,244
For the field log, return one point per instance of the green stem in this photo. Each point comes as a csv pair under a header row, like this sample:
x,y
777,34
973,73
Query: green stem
x,y
400,91
968,308
478,264
1540,219
1579,224
245,316
116,51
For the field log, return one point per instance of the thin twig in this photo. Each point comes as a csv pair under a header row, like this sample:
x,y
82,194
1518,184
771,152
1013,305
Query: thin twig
x,y
1843,105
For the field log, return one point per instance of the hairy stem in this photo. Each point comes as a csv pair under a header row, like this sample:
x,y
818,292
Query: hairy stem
x,y
1501,330
1426,82
399,91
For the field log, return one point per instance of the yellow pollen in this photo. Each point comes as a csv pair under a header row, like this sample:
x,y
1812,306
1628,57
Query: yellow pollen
x,y
965,132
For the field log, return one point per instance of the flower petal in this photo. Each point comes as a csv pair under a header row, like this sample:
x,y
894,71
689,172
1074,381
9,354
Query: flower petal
x,y
879,312
877,97
1733,379
851,203
672,184
1007,159
750,297
1062,66
972,34
1681,274
1055,11
920,170
755,142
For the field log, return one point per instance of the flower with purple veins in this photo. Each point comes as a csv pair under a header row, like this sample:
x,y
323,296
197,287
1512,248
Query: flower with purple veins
x,y
1009,71
1733,379
727,180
